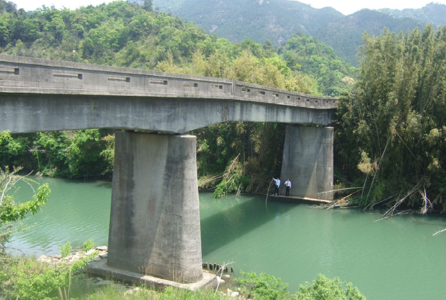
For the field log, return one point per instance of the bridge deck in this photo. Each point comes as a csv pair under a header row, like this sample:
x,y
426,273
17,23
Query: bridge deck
x,y
42,95
38,76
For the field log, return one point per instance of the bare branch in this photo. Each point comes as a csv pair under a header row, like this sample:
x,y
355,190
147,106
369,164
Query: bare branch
x,y
394,207
427,204
443,230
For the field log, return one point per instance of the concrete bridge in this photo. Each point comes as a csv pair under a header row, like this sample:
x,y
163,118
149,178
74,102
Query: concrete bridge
x,y
155,222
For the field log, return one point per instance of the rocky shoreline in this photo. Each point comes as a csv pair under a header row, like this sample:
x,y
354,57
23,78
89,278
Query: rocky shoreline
x,y
74,256
102,252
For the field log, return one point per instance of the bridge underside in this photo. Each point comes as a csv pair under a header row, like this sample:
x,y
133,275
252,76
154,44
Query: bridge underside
x,y
21,113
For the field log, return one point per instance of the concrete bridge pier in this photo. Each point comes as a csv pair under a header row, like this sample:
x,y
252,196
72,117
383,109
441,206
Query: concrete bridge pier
x,y
154,233
308,162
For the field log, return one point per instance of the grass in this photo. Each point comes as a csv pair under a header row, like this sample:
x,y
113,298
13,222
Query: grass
x,y
28,278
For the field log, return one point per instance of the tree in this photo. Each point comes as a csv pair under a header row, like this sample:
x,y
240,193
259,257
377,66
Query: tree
x,y
394,119
148,5
12,212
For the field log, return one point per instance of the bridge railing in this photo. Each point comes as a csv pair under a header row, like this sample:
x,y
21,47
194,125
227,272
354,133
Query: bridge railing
x,y
33,75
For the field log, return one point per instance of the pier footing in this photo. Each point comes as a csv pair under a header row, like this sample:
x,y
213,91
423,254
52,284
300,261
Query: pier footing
x,y
101,269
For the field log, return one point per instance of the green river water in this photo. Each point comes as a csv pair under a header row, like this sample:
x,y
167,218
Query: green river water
x,y
391,259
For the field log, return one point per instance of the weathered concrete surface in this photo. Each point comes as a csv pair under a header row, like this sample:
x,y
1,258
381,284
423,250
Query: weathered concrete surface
x,y
101,269
155,218
30,113
308,162
42,95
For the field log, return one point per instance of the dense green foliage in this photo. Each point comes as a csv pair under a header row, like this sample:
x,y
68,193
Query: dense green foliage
x,y
393,122
118,33
12,212
310,56
263,286
27,278
268,287
73,154
329,289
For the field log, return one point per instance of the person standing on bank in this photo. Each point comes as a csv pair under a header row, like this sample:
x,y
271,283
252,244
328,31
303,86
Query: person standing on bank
x,y
288,186
277,186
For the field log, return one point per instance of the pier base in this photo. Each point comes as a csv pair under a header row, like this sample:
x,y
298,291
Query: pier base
x,y
101,269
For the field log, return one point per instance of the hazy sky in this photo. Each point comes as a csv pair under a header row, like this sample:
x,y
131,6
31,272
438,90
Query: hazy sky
x,y
348,7
344,6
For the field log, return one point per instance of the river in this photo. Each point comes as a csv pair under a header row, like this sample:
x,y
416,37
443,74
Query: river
x,y
393,259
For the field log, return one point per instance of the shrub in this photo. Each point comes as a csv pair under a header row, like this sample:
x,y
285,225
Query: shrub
x,y
263,286
329,289
65,250
27,278
88,245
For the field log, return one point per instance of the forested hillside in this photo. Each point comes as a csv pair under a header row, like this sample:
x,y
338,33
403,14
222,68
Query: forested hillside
x,y
434,13
345,35
275,20
313,57
278,20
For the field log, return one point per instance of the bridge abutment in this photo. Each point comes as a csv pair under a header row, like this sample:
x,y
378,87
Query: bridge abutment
x,y
155,219
308,162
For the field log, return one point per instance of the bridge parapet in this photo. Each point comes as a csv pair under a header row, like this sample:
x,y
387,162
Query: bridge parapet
x,y
25,75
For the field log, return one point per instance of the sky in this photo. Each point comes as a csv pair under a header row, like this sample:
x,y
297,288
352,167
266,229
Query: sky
x,y
348,6
344,6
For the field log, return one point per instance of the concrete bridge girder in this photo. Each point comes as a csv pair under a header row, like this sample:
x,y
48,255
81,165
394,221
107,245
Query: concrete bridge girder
x,y
30,113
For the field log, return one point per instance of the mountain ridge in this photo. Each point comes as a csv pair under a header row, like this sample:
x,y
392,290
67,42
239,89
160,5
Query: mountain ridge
x,y
278,20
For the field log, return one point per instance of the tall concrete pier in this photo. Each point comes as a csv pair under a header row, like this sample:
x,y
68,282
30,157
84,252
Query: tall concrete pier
x,y
155,218
308,162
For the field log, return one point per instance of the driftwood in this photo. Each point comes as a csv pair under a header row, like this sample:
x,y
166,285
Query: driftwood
x,y
443,230
394,207
221,269
343,202
380,202
404,212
